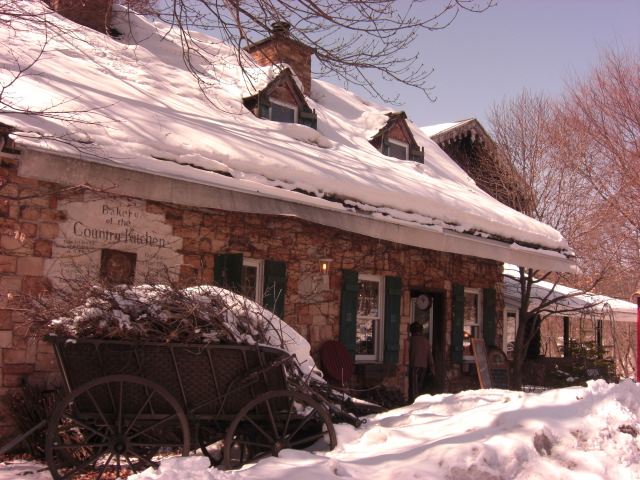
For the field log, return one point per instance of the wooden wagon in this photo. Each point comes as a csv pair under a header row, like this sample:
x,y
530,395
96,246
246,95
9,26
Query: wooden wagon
x,y
129,403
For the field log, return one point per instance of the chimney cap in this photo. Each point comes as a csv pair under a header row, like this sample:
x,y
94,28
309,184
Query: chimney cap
x,y
281,27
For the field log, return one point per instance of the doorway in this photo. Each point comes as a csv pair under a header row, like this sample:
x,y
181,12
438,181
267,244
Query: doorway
x,y
427,308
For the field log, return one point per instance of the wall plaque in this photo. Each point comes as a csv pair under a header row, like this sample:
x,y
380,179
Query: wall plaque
x,y
114,239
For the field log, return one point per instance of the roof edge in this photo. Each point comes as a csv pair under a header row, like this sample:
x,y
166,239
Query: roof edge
x,y
125,180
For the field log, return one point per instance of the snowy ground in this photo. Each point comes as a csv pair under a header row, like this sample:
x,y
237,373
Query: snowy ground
x,y
567,434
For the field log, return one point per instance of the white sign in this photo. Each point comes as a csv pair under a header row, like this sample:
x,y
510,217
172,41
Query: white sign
x,y
96,228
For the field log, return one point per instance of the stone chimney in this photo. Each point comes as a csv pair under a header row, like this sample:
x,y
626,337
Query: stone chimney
x,y
281,48
95,14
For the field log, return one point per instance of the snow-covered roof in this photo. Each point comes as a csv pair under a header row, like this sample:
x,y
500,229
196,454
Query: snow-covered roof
x,y
446,132
139,108
570,301
432,130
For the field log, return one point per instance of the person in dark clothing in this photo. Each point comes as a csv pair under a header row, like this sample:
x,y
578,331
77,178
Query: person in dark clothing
x,y
420,360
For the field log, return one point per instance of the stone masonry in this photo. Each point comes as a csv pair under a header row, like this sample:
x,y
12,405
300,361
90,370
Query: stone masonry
x,y
30,221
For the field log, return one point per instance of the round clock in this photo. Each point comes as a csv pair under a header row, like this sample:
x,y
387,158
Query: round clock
x,y
423,302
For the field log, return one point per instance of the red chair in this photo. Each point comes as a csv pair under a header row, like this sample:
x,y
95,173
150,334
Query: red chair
x,y
337,363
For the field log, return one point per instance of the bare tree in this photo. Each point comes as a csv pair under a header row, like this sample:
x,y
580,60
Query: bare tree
x,y
549,191
599,123
578,157
351,40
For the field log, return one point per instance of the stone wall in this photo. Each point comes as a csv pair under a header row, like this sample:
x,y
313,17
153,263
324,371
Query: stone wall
x,y
32,223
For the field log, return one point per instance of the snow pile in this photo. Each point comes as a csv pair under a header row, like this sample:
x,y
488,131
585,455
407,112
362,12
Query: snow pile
x,y
577,433
569,434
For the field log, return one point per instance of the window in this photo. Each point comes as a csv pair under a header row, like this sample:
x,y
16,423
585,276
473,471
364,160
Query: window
x,y
472,319
474,316
370,316
368,321
398,149
509,334
283,112
263,281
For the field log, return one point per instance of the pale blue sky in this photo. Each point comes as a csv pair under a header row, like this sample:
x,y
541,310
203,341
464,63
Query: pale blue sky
x,y
534,44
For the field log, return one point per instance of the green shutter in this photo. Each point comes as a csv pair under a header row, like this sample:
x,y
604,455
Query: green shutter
x,y
349,310
263,110
393,298
457,327
275,283
308,117
385,146
417,154
227,271
489,316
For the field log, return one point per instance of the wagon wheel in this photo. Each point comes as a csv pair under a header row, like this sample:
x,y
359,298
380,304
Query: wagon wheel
x,y
277,420
113,426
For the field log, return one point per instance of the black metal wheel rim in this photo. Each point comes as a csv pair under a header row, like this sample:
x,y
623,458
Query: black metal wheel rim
x,y
274,421
112,427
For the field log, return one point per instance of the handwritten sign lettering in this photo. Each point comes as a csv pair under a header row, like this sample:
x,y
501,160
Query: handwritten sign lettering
x,y
95,225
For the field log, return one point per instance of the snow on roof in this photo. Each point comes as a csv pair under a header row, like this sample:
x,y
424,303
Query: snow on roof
x,y
622,311
431,130
139,106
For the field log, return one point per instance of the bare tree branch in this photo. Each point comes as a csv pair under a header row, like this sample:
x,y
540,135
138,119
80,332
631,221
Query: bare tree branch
x,y
578,160
350,39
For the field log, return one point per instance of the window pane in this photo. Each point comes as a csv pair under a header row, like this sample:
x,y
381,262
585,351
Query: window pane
x,y
366,336
368,319
470,308
249,282
510,331
423,317
397,151
368,299
280,113
471,321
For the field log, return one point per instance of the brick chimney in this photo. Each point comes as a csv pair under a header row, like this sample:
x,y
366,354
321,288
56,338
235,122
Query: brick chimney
x,y
95,14
281,48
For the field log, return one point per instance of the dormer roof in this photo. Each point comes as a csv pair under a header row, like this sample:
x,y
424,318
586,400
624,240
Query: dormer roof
x,y
283,88
398,129
446,133
284,82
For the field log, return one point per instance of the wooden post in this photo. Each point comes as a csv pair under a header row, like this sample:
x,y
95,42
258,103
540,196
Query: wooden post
x,y
566,339
636,297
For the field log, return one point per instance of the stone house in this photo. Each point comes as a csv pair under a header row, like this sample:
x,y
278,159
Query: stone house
x,y
339,215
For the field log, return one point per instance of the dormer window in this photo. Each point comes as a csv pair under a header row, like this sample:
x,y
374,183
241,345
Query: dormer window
x,y
283,112
398,149
282,101
396,140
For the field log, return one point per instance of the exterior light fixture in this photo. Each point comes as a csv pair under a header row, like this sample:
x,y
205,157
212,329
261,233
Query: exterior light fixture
x,y
324,266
